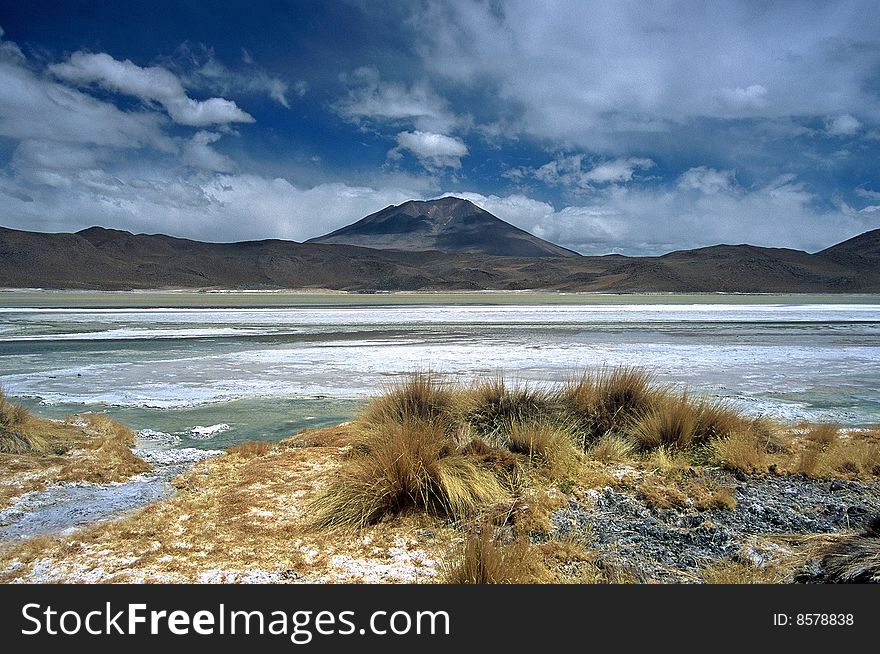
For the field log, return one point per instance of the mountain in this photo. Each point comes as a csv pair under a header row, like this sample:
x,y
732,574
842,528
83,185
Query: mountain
x,y
109,259
447,225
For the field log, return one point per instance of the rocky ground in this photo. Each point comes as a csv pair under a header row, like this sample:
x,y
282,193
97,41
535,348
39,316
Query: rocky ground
x,y
674,544
243,518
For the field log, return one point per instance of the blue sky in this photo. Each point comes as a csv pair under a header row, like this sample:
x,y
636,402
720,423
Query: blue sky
x,y
626,127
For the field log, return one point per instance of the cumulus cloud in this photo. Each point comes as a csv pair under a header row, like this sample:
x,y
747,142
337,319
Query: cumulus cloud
x,y
583,72
207,206
434,151
570,171
198,153
151,84
652,221
843,125
39,109
707,180
373,99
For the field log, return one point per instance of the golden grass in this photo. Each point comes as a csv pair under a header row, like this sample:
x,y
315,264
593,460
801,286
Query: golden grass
x,y
548,446
107,457
17,435
490,407
407,466
743,451
729,571
679,422
419,397
608,400
611,448
250,449
484,560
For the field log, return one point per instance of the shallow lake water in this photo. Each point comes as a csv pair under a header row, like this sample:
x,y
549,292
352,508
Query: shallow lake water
x,y
262,366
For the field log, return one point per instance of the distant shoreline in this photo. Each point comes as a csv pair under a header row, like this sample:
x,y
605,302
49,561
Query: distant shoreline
x,y
269,298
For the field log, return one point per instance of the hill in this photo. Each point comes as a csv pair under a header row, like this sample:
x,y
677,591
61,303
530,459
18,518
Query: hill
x,y
98,258
450,225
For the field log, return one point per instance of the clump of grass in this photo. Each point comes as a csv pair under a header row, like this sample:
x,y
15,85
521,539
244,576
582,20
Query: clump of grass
x,y
742,451
15,437
484,560
251,449
490,407
397,467
854,558
608,401
672,422
677,421
729,571
828,454
611,448
548,446
420,397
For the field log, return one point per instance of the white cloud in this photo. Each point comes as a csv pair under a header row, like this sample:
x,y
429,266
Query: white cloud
x,y
569,171
152,84
843,125
706,180
374,99
434,151
205,206
589,73
210,73
753,96
198,153
635,220
36,108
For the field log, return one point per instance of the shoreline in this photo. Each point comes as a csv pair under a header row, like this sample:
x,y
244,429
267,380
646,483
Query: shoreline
x,y
214,298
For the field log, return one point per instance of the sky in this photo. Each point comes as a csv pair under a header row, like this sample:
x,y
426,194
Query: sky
x,y
606,127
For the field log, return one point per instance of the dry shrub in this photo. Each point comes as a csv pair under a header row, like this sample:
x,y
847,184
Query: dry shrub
x,y
840,457
250,449
484,560
420,397
549,447
854,558
742,451
667,461
715,419
729,571
490,407
658,493
611,448
413,465
608,400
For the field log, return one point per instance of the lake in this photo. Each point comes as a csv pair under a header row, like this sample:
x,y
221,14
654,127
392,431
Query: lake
x,y
264,365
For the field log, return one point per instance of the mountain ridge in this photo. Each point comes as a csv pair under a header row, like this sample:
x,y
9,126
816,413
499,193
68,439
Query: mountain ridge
x,y
104,259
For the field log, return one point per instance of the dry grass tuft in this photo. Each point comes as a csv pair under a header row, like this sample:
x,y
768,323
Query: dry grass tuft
x,y
549,447
737,572
483,560
611,449
414,465
743,451
107,457
15,435
854,558
490,408
607,401
420,397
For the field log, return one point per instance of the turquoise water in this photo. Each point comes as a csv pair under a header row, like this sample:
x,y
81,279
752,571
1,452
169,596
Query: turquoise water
x,y
208,376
